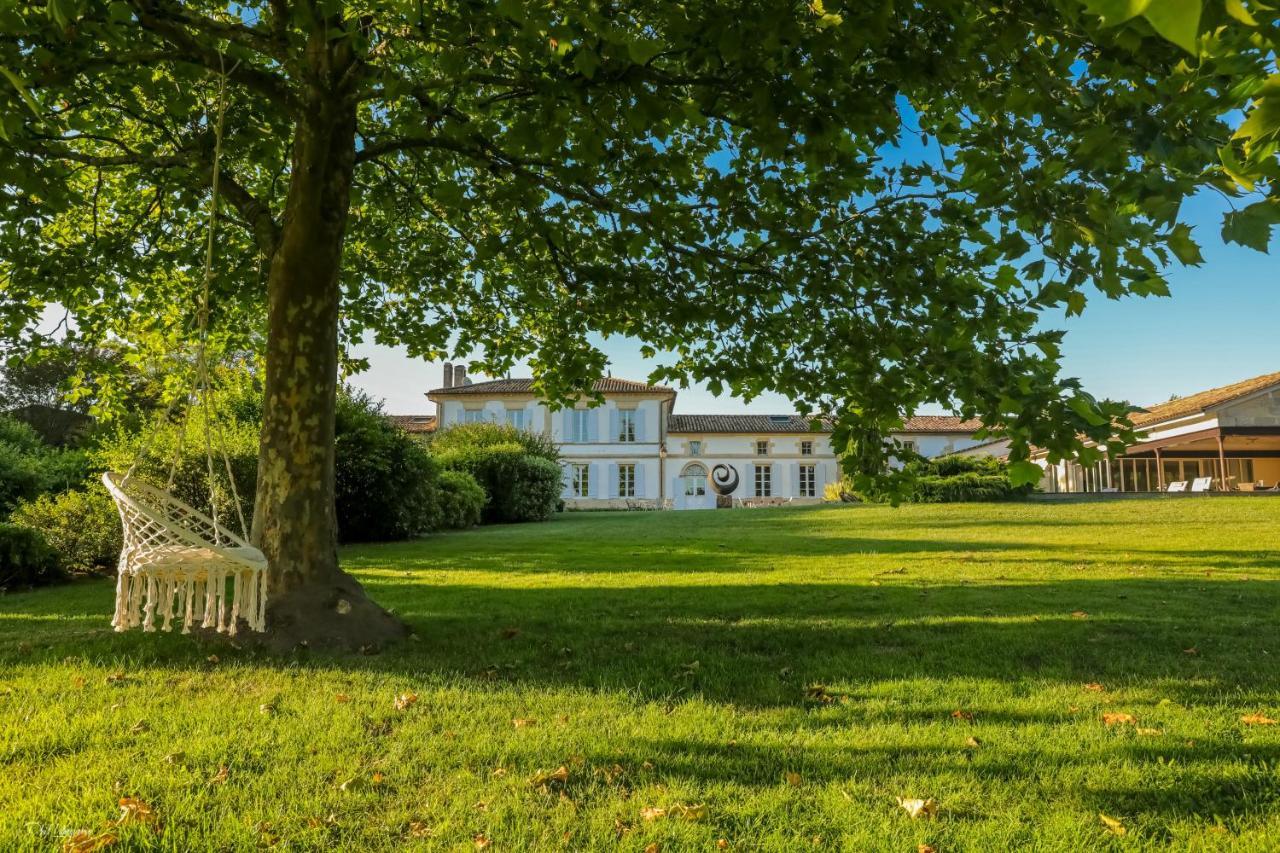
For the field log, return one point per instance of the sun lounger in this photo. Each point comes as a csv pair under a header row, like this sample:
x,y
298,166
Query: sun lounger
x,y
1177,486
1201,484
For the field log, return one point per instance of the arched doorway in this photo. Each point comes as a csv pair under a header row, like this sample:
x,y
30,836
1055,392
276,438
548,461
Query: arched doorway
x,y
692,491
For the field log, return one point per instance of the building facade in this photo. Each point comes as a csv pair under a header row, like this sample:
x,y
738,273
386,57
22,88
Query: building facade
x,y
1228,436
634,452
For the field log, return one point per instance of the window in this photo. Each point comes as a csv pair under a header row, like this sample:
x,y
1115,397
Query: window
x,y
762,448
695,448
473,416
515,418
764,481
808,481
910,446
626,425
627,481
694,479
806,448
580,425
581,486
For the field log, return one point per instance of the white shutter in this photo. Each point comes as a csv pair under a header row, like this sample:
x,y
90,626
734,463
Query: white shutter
x,y
640,493
640,419
750,490
610,480
613,425
793,473
567,491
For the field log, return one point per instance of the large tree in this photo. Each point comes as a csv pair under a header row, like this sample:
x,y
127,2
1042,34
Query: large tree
x,y
863,205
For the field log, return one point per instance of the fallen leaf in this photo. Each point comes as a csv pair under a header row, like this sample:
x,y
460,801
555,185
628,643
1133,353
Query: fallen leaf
x,y
116,677
140,727
967,716
221,776
1149,732
652,813
926,848
267,707
1114,826
690,813
317,822
134,810
482,841
524,723
1257,720
499,772
377,778
510,633
405,700
652,848
85,841
419,829
341,698
793,779
646,765
1116,718
722,844
557,777
1079,614
1094,687
174,758
919,808
973,743
212,659
1191,651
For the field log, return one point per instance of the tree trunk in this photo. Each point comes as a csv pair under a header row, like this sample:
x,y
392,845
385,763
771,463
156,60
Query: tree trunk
x,y
310,599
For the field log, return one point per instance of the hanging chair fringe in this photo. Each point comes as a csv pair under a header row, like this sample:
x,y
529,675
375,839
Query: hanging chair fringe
x,y
196,600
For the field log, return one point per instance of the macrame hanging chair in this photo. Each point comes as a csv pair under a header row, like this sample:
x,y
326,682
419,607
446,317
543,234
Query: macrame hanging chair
x,y
177,562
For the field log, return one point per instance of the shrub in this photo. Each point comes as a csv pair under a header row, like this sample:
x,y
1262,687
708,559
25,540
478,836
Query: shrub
x,y
460,502
519,487
81,525
953,479
464,436
25,558
386,482
29,467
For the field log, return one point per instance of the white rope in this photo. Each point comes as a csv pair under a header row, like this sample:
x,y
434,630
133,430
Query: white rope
x,y
176,560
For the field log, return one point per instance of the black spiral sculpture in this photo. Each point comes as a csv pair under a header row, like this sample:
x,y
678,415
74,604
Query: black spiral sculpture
x,y
724,479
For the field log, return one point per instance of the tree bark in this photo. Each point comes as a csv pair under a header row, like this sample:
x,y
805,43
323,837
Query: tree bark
x,y
310,599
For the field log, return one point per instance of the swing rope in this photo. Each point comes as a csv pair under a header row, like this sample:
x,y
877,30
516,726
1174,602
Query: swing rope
x,y
175,557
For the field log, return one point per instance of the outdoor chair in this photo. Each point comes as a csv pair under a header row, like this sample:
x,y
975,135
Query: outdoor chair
x,y
1177,486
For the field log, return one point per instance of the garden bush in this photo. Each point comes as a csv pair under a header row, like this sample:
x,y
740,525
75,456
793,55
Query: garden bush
x,y
460,501
25,558
518,485
954,479
466,436
29,467
387,483
81,525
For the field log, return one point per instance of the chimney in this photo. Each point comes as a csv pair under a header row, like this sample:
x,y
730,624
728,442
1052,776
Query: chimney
x,y
448,374
460,376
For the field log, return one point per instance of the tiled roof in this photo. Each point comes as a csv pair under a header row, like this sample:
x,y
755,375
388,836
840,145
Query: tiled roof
x,y
742,423
414,423
941,423
1204,400
609,385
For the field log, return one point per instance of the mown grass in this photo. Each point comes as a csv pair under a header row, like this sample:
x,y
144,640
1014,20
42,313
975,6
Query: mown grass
x,y
674,659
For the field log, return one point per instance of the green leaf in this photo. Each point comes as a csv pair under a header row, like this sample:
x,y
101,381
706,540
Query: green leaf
x,y
1113,12
22,91
1176,20
1087,409
1252,226
1234,169
1183,247
1236,9
1075,303
1263,121
1025,473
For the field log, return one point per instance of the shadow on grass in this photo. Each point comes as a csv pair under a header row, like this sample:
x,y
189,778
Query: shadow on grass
x,y
760,645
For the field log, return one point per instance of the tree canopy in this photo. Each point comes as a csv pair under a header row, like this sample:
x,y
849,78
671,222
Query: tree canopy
x,y
865,206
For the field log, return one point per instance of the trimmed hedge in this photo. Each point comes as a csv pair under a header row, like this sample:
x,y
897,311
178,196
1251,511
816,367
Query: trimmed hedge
x,y
82,526
460,502
520,487
956,479
25,558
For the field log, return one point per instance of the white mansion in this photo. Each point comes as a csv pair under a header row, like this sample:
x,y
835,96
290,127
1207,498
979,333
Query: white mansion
x,y
634,451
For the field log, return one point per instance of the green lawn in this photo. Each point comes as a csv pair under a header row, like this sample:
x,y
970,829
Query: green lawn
x,y
784,674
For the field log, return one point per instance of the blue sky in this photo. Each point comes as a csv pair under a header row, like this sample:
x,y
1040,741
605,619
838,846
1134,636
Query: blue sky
x,y
1221,324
